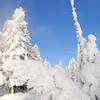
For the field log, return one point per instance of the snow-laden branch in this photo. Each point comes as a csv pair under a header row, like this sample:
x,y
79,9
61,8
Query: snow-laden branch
x,y
80,38
76,22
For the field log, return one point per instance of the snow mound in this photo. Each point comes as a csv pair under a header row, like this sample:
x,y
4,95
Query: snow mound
x,y
20,96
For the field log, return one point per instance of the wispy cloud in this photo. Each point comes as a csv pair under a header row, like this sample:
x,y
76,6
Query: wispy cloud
x,y
39,29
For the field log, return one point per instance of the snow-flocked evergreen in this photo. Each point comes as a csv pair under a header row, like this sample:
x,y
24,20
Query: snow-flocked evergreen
x,y
16,37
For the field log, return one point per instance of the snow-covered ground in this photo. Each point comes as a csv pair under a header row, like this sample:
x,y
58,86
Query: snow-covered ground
x,y
20,96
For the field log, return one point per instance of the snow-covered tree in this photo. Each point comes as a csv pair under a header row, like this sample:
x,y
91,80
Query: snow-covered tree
x,y
86,49
72,69
90,71
91,50
35,53
81,41
80,38
74,72
91,79
2,77
87,59
16,36
1,47
16,45
9,81
72,65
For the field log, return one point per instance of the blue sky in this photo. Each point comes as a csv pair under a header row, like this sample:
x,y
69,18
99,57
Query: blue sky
x,y
51,26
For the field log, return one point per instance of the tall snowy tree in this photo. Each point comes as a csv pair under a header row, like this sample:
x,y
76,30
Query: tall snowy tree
x,y
80,38
86,49
80,46
87,59
16,35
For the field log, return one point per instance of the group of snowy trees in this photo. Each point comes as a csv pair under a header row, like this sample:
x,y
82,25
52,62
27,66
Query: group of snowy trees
x,y
15,45
16,39
84,70
22,68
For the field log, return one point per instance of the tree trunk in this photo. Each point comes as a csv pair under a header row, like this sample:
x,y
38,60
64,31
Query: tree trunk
x,y
12,90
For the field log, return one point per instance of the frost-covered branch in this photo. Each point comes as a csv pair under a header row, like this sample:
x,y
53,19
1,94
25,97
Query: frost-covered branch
x,y
81,40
